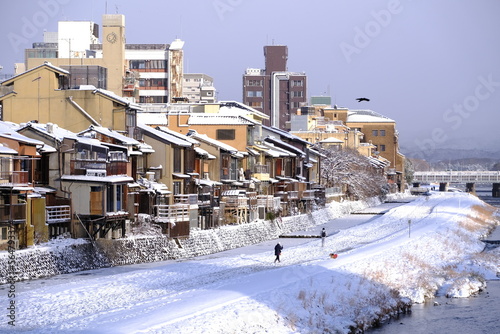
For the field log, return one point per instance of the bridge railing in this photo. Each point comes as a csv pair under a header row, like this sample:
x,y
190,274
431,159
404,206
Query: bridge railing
x,y
457,176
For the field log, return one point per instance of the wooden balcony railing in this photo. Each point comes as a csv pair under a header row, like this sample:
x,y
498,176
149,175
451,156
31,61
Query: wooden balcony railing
x,y
189,199
261,169
14,177
175,213
115,167
15,213
58,214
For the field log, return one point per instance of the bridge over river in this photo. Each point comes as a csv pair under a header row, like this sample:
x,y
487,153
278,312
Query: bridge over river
x,y
470,178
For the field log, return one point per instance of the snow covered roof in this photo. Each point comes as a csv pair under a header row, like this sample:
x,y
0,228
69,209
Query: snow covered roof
x,y
219,119
46,64
152,118
99,179
164,136
53,131
278,142
273,151
214,142
235,106
367,116
178,135
285,134
112,134
7,130
204,153
113,96
331,140
177,44
7,150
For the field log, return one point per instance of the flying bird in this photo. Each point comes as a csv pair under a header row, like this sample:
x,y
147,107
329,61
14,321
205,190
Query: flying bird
x,y
362,99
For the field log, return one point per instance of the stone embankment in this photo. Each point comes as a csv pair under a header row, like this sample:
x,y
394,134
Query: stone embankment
x,y
69,255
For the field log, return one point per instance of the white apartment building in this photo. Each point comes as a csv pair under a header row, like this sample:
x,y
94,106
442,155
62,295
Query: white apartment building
x,y
152,72
199,88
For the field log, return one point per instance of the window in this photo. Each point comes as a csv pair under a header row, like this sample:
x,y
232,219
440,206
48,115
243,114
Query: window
x,y
255,104
153,99
375,133
382,148
254,93
4,233
297,83
298,93
148,64
254,83
382,132
114,198
177,187
177,160
225,134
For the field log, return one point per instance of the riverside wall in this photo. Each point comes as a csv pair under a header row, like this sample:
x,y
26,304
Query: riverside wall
x,y
70,255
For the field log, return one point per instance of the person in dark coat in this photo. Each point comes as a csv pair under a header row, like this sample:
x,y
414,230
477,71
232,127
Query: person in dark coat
x,y
277,251
323,236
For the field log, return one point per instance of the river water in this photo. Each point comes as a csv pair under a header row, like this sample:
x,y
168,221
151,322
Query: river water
x,y
473,315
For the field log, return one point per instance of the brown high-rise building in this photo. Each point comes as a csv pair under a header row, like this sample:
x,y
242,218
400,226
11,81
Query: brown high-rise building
x,y
274,90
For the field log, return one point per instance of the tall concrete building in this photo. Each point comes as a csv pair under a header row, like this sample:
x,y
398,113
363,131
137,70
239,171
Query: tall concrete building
x,y
274,90
145,73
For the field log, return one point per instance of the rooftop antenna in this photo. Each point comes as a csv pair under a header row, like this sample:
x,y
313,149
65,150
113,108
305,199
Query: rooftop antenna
x,y
116,8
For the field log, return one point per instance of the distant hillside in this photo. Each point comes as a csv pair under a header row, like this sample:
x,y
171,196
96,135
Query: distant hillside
x,y
455,159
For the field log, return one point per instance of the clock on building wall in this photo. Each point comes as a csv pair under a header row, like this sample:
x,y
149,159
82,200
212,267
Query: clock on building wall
x,y
111,37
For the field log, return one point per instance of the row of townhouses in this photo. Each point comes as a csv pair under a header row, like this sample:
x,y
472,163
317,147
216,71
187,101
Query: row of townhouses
x,y
88,163
98,139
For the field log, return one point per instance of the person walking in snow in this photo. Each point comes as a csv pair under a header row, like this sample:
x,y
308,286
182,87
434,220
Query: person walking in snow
x,y
277,251
323,236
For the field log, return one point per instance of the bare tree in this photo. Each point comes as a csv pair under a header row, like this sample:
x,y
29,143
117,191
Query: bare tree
x,y
352,172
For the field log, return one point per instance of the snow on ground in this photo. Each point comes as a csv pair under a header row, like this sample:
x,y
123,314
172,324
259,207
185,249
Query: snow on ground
x,y
430,245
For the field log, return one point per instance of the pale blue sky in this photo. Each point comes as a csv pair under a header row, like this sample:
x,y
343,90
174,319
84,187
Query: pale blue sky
x,y
433,66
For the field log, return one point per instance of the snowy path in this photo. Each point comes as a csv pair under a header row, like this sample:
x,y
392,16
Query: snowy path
x,y
163,297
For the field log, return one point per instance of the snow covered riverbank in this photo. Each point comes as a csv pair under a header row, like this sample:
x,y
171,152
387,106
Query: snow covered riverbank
x,y
412,252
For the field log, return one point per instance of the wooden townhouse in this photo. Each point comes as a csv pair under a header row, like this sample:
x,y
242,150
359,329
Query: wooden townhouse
x,y
173,165
22,210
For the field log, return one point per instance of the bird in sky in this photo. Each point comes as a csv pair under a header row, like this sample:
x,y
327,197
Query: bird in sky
x,y
362,99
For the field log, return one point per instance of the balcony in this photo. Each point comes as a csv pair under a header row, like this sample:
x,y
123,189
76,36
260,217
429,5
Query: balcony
x,y
79,167
188,199
115,167
173,214
13,178
293,195
15,213
308,195
58,214
261,172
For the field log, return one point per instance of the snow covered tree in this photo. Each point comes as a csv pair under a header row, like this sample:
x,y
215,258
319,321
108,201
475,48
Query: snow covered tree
x,y
353,172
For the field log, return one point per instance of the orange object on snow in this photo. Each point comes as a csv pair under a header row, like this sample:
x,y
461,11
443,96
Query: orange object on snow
x,y
333,256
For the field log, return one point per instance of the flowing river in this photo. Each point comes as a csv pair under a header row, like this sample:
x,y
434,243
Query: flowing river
x,y
474,315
